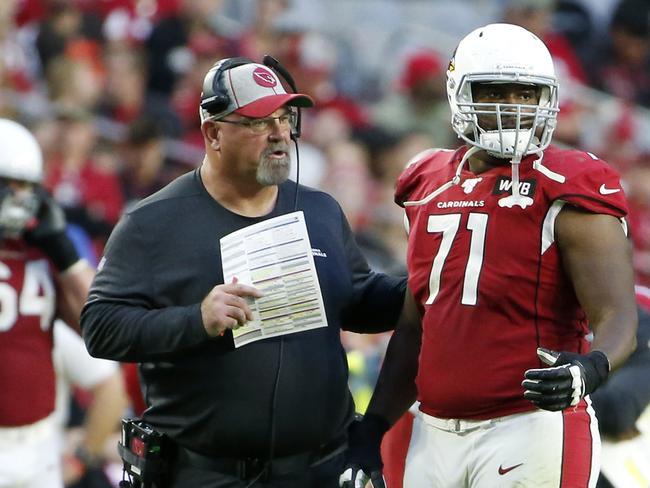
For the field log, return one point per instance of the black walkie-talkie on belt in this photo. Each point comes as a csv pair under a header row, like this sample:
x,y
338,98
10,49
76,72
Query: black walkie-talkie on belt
x,y
143,452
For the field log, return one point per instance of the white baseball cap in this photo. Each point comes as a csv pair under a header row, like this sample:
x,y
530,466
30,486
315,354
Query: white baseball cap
x,y
253,90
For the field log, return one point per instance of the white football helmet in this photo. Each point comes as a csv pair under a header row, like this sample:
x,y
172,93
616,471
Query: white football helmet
x,y
21,160
503,53
20,157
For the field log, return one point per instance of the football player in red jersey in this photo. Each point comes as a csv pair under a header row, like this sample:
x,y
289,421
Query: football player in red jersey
x,y
41,277
517,250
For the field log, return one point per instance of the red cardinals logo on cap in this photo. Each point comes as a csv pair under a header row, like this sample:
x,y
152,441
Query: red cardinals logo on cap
x,y
264,78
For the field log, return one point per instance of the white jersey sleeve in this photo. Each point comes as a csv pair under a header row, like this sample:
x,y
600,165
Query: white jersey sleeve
x,y
74,366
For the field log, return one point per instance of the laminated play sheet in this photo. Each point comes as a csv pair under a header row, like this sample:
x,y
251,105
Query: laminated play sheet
x,y
275,256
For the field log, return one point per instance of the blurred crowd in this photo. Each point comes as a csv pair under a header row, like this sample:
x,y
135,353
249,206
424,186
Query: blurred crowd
x,y
111,89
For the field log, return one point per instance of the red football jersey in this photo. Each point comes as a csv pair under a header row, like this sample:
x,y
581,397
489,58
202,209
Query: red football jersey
x,y
27,308
489,278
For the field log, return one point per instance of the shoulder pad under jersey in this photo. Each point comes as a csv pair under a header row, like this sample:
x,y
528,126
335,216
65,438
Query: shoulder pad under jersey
x,y
589,182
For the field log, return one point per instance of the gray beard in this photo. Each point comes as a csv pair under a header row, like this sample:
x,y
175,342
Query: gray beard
x,y
273,171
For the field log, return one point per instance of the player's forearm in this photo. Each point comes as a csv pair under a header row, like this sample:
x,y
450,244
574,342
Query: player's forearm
x,y
396,391
610,303
615,335
74,284
104,414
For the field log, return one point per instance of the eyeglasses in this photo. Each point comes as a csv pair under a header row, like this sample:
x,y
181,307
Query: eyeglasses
x,y
267,124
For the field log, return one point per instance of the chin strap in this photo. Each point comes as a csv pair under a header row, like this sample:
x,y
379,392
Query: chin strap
x,y
454,181
537,165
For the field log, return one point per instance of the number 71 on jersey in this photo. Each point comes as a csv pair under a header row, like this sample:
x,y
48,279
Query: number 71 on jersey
x,y
448,225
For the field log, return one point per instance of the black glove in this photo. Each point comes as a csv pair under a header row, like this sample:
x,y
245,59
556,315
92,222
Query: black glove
x,y
571,378
48,234
363,462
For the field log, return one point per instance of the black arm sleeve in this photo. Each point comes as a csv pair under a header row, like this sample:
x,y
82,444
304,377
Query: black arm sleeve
x,y
122,319
377,299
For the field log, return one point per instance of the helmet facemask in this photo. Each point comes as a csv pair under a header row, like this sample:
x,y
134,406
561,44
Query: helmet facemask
x,y
500,54
19,205
21,177
506,130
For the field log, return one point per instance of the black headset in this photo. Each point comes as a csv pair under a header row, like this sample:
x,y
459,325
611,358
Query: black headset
x,y
214,99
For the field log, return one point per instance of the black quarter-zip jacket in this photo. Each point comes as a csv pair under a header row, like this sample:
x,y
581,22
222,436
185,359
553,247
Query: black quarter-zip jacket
x,y
283,395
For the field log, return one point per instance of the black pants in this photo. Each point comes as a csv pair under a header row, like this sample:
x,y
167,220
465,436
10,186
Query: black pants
x,y
324,475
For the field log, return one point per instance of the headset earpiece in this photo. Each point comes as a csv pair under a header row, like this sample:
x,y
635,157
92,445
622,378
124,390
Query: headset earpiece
x,y
213,98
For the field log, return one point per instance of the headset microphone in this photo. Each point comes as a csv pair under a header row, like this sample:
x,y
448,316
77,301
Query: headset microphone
x,y
271,62
275,65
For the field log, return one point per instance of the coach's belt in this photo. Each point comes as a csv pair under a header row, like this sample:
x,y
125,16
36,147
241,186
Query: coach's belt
x,y
248,468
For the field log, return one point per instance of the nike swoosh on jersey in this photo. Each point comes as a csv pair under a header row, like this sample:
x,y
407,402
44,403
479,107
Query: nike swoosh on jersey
x,y
607,191
503,470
